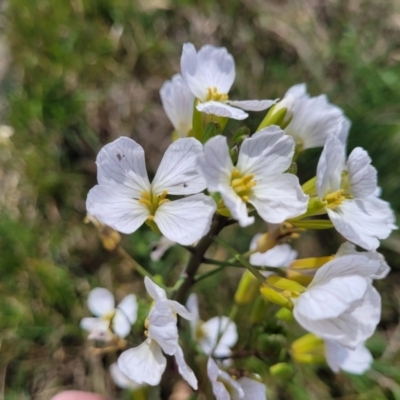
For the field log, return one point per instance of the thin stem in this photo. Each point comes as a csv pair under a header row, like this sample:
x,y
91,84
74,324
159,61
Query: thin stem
x,y
229,263
197,257
241,259
207,274
136,266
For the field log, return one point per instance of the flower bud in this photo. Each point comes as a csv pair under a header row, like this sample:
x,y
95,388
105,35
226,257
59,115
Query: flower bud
x,y
247,289
259,310
282,370
308,349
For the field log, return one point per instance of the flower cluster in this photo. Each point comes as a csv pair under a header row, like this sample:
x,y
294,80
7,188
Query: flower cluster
x,y
206,182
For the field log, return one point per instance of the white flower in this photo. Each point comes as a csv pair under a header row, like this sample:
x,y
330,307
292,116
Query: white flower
x,y
226,388
340,303
210,73
124,198
109,319
146,363
279,256
178,103
356,361
350,192
312,119
258,177
216,336
121,380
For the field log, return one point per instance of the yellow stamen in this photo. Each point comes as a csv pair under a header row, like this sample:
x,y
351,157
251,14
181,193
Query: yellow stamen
x,y
152,202
242,185
334,199
212,94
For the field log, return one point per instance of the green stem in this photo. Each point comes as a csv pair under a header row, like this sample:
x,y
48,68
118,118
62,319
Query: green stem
x,y
229,263
197,257
207,274
241,259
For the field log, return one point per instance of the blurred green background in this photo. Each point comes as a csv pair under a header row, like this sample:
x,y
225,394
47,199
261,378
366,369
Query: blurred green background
x,y
76,74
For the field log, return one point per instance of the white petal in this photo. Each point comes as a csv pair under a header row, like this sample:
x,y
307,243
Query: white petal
x,y
122,162
100,302
178,173
129,306
252,389
236,206
216,164
180,309
279,199
267,153
115,207
212,67
362,221
362,175
342,131
350,328
212,329
162,327
186,220
98,329
252,105
330,167
218,388
330,299
192,305
185,371
335,354
178,103
120,324
143,364
358,361
314,119
222,110
347,248
160,247
279,256
121,380
154,290
351,264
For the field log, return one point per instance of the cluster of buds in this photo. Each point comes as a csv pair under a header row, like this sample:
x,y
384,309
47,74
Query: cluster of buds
x,y
215,182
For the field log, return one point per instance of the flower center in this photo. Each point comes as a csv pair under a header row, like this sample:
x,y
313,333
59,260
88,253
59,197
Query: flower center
x,y
152,202
243,185
335,199
199,333
212,94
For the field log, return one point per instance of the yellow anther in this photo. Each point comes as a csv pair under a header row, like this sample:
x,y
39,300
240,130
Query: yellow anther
x,y
242,185
334,199
153,201
212,94
287,293
146,323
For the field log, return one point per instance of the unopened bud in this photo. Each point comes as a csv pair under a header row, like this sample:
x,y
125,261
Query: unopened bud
x,y
247,289
299,277
308,349
279,114
276,297
265,243
259,310
282,370
284,315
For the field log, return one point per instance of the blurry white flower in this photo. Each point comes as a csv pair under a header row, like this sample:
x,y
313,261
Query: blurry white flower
x,y
312,119
258,178
160,248
6,132
146,363
210,73
350,192
340,303
178,103
279,256
109,319
226,388
216,336
356,361
124,198
121,380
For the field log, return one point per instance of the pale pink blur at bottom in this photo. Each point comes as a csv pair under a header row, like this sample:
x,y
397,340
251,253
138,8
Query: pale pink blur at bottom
x,y
77,395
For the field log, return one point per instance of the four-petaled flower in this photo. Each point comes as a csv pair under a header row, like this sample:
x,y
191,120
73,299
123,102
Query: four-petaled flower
x,y
258,178
110,320
340,304
146,363
215,336
124,198
350,193
310,120
210,73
